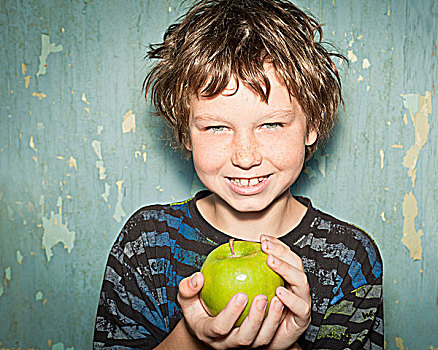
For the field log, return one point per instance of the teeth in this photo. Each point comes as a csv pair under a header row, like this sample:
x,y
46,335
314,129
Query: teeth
x,y
247,182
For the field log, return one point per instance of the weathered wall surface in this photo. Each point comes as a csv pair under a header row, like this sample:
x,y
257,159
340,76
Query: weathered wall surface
x,y
79,153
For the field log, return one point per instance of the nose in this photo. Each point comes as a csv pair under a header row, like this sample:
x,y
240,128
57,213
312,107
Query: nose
x,y
246,152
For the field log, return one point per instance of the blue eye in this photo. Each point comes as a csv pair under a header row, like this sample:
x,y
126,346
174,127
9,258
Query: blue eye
x,y
272,126
216,128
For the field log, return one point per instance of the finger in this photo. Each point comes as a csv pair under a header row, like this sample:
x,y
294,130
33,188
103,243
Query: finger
x,y
189,288
270,324
299,307
272,245
224,322
251,325
296,278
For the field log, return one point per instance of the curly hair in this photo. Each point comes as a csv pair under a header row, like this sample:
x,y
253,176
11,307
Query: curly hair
x,y
219,40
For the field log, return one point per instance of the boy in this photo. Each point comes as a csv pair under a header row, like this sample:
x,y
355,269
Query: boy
x,y
249,93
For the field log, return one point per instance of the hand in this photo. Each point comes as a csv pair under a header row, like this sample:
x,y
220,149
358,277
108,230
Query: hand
x,y
218,332
295,296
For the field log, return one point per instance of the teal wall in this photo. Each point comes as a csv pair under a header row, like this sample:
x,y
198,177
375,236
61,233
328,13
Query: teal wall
x,y
79,153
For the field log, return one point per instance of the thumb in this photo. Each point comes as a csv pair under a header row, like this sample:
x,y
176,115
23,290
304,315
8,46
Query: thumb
x,y
189,287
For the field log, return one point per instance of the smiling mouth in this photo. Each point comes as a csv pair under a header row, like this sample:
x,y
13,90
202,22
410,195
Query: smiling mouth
x,y
245,182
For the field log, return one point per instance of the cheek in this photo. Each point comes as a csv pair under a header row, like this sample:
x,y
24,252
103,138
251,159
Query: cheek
x,y
207,158
286,153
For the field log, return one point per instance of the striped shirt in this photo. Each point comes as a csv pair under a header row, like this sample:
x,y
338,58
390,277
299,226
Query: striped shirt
x,y
162,244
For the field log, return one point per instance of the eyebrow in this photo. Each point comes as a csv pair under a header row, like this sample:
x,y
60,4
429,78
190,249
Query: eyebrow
x,y
281,113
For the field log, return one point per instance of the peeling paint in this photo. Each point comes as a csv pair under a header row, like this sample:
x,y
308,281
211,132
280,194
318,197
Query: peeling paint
x,y
96,145
55,231
382,158
143,154
32,144
40,95
411,237
84,99
105,195
8,275
19,257
128,123
97,148
73,163
351,56
60,346
119,213
366,63
26,81
419,108
46,48
399,343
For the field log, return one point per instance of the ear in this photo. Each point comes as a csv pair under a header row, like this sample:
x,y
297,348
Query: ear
x,y
188,145
311,137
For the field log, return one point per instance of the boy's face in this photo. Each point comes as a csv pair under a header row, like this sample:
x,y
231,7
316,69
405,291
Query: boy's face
x,y
246,151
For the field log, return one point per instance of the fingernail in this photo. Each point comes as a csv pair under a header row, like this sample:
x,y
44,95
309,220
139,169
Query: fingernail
x,y
261,304
240,299
280,291
273,260
194,281
278,305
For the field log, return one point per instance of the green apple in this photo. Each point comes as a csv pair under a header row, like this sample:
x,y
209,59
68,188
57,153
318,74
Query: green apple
x,y
237,267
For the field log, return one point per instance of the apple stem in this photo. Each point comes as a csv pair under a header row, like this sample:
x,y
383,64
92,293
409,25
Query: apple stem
x,y
231,243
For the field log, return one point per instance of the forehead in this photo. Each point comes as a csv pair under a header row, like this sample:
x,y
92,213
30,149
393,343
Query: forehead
x,y
238,95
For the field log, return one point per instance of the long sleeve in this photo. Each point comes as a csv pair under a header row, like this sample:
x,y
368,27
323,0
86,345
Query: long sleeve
x,y
156,249
354,318
345,270
130,312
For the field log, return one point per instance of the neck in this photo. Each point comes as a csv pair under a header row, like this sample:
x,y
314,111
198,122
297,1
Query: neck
x,y
279,218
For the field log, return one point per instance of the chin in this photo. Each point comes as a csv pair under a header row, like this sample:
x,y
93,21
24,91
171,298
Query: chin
x,y
249,205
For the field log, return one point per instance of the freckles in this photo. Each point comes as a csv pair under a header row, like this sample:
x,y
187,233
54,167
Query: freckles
x,y
208,159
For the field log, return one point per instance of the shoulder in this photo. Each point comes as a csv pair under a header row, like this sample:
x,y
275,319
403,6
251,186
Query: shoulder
x,y
154,219
335,245
350,235
163,234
